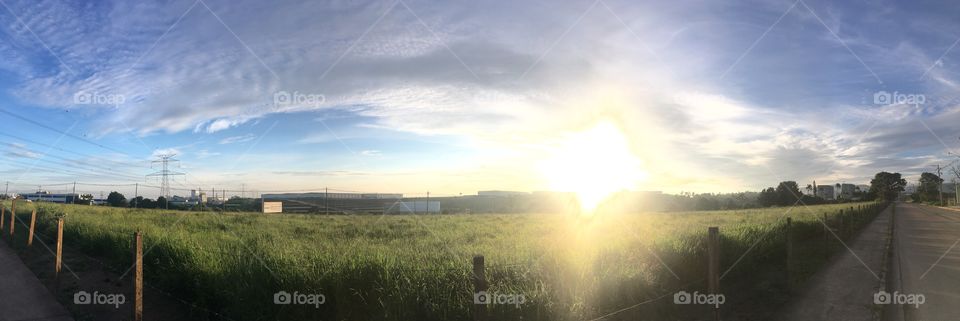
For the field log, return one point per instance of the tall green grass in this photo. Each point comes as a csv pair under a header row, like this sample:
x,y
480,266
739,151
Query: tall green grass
x,y
419,267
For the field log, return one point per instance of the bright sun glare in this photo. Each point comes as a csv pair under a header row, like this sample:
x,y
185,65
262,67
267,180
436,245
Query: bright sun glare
x,y
594,164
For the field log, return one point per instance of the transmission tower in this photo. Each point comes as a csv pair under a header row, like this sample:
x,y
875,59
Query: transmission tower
x,y
165,173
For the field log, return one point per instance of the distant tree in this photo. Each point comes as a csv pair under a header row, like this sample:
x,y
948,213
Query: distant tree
x,y
161,202
148,203
136,201
768,197
788,192
809,189
886,186
811,200
84,199
116,199
929,188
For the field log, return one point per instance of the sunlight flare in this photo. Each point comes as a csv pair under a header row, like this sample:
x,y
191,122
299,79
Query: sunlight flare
x,y
594,164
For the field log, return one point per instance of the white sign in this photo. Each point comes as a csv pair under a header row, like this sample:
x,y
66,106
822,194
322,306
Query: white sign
x,y
273,207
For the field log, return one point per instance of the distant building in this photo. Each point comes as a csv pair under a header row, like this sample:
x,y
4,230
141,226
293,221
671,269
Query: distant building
x,y
44,196
342,196
182,201
501,193
333,203
847,190
826,192
413,207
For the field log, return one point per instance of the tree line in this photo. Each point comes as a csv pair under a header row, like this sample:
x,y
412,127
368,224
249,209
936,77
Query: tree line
x,y
884,185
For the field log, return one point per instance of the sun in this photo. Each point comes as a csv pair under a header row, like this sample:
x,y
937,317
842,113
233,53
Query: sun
x,y
594,163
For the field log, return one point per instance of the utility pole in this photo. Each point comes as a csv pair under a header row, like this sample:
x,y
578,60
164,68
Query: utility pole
x,y
326,201
940,186
136,193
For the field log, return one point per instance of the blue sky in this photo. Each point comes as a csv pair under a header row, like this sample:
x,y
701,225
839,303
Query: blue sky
x,y
458,96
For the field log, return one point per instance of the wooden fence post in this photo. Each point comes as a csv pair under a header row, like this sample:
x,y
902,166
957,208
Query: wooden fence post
x,y
790,263
479,285
138,277
33,222
713,264
59,260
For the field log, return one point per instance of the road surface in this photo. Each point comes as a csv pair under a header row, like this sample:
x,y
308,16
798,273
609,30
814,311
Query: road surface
x,y
926,260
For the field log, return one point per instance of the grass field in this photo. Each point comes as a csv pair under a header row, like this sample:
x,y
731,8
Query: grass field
x,y
419,267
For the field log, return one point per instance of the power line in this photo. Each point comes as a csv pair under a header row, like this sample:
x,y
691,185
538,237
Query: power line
x,y
102,170
92,171
73,152
46,170
60,131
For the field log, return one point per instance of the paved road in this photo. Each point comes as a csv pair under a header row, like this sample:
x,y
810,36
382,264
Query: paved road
x,y
22,297
926,261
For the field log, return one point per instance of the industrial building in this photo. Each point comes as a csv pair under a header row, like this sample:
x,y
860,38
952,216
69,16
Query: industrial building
x,y
44,196
338,203
413,206
194,199
501,193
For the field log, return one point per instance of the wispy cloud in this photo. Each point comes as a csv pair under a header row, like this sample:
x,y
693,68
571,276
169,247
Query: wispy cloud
x,y
238,139
508,76
18,150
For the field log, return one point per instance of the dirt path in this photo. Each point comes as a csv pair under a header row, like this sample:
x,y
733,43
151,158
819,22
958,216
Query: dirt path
x,y
22,296
843,290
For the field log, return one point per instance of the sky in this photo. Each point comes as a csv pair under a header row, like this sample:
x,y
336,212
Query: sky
x,y
453,97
